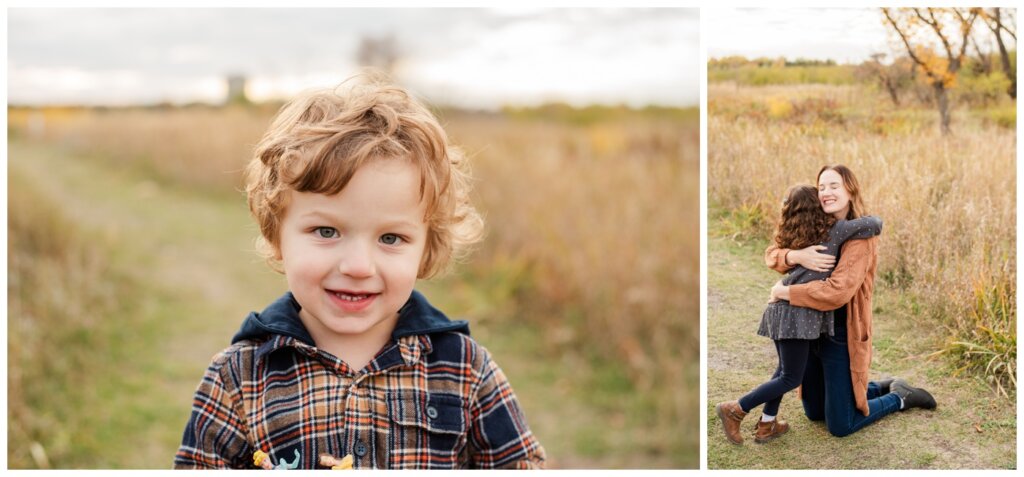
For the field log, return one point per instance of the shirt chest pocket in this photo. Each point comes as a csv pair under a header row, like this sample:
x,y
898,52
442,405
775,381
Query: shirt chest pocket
x,y
427,432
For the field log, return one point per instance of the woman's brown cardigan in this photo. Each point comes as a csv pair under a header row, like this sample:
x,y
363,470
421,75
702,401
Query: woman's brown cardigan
x,y
851,283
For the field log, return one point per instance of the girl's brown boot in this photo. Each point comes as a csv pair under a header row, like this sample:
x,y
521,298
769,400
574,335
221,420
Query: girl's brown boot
x,y
731,415
766,431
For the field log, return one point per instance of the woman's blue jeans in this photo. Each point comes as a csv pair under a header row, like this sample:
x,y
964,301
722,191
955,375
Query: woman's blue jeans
x,y
828,391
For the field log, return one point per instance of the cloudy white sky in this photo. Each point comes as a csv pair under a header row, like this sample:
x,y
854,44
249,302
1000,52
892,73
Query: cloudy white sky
x,y
843,35
846,35
468,57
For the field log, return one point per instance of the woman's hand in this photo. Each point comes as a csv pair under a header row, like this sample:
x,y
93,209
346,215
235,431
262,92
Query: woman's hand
x,y
779,292
811,259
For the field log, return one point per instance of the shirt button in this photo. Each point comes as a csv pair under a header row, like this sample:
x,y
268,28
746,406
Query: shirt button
x,y
431,412
360,449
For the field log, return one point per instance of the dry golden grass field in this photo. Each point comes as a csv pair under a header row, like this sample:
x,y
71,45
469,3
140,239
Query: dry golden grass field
x,y
948,202
132,263
945,309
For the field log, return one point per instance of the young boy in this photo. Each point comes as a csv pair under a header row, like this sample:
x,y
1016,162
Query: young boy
x,y
357,195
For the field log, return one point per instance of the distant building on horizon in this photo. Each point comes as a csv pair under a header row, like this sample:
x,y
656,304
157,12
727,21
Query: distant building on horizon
x,y
236,90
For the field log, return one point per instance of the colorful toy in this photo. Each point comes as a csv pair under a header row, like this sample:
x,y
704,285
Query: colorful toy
x,y
262,460
345,463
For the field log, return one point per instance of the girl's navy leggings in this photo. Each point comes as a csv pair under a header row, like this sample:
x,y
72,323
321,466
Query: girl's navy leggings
x,y
793,356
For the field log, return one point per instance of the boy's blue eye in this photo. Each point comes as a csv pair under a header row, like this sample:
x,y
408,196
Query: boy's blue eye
x,y
390,239
326,232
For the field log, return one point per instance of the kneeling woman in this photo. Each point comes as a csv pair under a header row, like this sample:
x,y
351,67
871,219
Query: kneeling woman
x,y
835,386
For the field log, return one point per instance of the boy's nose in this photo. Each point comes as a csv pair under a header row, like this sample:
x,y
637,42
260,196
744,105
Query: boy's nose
x,y
356,262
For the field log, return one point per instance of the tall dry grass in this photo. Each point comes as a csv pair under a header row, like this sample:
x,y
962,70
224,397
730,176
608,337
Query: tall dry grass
x,y
59,291
948,202
606,219
592,227
201,147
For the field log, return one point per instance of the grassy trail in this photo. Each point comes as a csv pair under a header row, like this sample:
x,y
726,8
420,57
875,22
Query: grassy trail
x,y
970,429
190,258
193,277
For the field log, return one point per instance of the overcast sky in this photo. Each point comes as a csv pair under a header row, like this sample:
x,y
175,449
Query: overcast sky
x,y
843,35
467,57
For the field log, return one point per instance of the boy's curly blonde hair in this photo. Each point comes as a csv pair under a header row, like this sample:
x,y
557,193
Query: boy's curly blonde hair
x,y
320,139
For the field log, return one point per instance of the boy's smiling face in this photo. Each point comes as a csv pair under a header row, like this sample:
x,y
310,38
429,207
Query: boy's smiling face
x,y
351,259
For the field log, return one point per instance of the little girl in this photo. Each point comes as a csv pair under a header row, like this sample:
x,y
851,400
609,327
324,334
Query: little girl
x,y
793,328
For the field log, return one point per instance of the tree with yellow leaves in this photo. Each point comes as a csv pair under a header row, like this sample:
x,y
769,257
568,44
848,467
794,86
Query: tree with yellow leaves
x,y
921,28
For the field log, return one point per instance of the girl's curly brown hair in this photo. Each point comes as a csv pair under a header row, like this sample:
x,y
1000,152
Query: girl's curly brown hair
x,y
803,221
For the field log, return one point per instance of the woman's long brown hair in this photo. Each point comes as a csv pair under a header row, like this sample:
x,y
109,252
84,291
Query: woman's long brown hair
x,y
803,222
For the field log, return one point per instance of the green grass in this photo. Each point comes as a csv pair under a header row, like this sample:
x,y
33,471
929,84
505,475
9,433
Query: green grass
x,y
69,366
176,272
754,75
1004,116
739,360
131,334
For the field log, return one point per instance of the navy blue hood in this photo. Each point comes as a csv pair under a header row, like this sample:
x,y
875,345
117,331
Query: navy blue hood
x,y
416,317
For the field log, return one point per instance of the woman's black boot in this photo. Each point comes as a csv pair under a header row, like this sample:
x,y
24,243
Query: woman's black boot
x,y
912,397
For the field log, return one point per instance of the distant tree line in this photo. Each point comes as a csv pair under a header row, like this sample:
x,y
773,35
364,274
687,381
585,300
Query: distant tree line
x,y
936,51
765,71
764,62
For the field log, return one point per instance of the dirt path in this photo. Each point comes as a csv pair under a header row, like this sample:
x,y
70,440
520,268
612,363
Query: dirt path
x,y
970,429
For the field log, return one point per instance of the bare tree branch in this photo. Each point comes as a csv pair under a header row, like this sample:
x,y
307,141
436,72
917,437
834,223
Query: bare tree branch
x,y
1005,26
934,23
997,27
910,49
966,27
983,58
1010,32
992,25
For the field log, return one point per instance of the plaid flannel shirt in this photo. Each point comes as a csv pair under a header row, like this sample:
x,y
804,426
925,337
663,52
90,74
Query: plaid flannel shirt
x,y
432,398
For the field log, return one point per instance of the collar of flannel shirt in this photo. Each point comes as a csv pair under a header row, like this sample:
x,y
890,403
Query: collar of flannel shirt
x,y
416,317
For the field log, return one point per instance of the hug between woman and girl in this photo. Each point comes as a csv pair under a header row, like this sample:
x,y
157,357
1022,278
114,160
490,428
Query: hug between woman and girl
x,y
820,320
